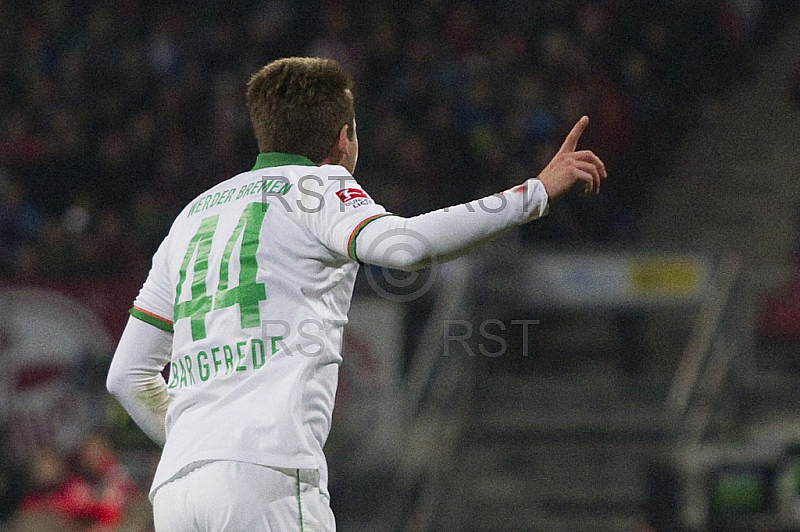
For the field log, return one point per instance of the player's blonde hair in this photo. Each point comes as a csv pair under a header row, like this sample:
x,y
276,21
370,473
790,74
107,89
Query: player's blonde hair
x,y
298,105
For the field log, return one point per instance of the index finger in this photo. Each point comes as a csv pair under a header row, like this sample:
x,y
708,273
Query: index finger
x,y
571,142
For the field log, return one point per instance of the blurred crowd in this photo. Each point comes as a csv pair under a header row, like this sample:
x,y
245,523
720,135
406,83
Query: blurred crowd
x,y
115,114
85,490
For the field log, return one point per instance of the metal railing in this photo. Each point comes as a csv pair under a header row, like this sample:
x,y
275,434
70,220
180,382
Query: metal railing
x,y
707,357
435,410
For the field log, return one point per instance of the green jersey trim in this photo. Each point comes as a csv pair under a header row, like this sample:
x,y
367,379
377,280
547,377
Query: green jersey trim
x,y
148,317
351,243
269,160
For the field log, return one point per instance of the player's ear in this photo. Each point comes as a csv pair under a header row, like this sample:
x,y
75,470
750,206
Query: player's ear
x,y
341,142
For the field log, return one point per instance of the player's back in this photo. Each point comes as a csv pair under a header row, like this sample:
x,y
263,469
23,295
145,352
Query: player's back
x,y
255,278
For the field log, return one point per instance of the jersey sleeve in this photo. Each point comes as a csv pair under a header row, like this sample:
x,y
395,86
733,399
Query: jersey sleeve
x,y
439,236
134,376
155,302
336,209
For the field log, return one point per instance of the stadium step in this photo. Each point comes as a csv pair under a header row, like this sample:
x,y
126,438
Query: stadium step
x,y
572,406
557,453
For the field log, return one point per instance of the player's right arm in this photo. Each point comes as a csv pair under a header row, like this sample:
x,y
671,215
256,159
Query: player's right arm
x,y
134,377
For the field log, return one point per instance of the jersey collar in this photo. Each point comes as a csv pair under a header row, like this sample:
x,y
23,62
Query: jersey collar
x,y
268,160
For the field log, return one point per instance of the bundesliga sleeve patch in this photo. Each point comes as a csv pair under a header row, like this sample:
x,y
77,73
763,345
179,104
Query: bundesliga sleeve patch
x,y
353,197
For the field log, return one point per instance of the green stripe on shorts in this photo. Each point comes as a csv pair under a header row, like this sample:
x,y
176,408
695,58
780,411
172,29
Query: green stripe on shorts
x,y
299,504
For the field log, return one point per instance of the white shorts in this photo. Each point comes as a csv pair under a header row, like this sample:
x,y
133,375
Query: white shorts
x,y
242,497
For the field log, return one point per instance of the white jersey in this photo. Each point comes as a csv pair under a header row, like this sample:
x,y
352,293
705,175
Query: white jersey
x,y
255,279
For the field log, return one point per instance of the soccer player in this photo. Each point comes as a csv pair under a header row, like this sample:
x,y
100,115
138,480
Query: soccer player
x,y
248,294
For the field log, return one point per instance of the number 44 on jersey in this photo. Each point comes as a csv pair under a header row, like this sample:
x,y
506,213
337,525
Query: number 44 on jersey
x,y
247,294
